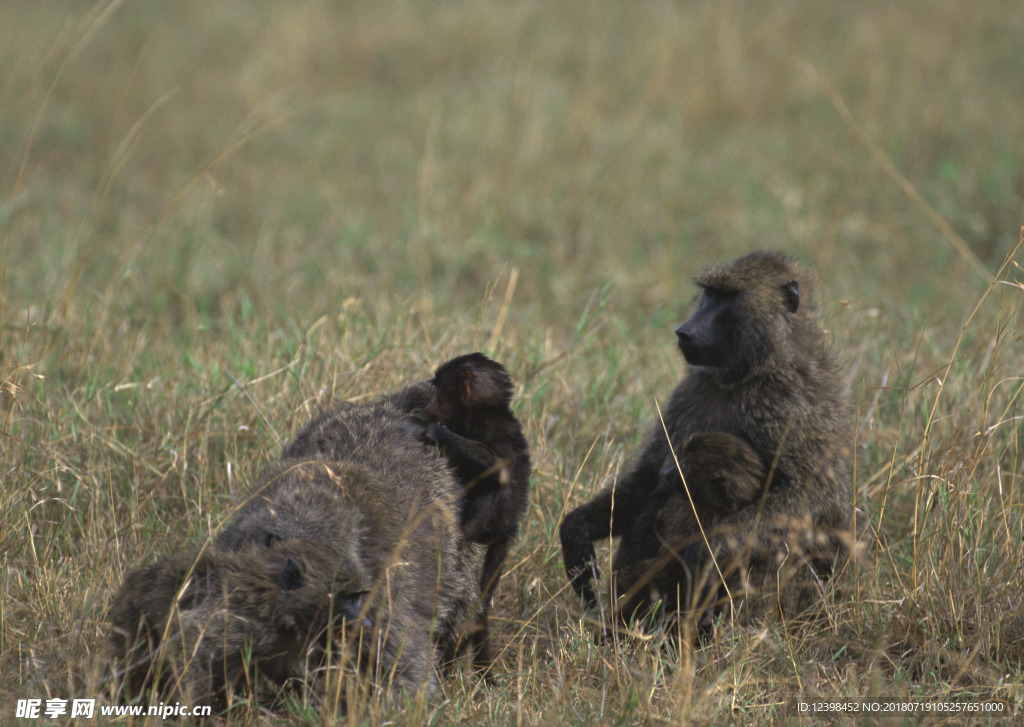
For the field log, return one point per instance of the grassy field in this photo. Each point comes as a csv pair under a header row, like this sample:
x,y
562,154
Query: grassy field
x,y
216,218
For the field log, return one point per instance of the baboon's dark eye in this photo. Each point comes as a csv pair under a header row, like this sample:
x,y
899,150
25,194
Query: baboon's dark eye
x,y
791,293
720,294
291,576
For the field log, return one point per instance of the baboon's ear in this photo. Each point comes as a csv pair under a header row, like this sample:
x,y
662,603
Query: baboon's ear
x,y
791,291
467,391
291,577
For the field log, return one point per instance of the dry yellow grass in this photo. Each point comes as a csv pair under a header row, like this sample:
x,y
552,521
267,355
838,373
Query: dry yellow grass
x,y
216,217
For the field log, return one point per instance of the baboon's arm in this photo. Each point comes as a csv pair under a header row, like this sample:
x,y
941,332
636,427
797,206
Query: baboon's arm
x,y
610,513
474,461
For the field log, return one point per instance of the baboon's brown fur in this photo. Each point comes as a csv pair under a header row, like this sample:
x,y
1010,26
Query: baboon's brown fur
x,y
761,369
723,473
188,622
368,520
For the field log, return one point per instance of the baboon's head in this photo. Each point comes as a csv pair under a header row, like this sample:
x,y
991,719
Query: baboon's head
x,y
748,312
467,383
312,586
723,471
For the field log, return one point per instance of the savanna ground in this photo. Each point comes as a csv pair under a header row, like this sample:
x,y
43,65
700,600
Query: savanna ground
x,y
216,218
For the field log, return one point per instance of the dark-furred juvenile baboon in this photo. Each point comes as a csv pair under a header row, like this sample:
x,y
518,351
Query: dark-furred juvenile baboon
x,y
187,622
483,440
382,509
761,370
723,473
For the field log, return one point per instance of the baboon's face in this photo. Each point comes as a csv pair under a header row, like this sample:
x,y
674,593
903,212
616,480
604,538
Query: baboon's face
x,y
452,397
466,385
737,325
709,336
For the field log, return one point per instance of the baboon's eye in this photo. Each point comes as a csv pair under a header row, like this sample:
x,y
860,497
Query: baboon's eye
x,y
791,294
720,294
291,576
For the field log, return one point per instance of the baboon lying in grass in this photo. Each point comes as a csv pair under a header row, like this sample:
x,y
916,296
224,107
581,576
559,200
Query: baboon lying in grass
x,y
196,622
761,371
364,535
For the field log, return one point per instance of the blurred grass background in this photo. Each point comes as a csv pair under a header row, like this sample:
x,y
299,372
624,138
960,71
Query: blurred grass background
x,y
216,217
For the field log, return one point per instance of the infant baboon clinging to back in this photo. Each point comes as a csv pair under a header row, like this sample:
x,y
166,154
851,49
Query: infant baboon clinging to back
x,y
483,440
761,370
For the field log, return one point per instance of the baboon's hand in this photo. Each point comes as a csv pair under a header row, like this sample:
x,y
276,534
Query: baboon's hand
x,y
580,561
434,433
702,584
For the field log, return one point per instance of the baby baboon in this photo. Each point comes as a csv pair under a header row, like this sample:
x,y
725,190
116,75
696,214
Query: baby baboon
x,y
186,623
378,508
761,370
483,440
723,473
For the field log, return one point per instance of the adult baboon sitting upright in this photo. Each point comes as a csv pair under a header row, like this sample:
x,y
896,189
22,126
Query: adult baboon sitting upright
x,y
364,536
761,371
